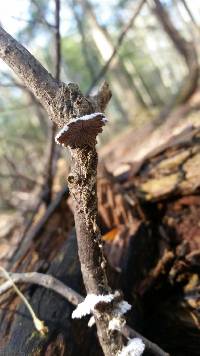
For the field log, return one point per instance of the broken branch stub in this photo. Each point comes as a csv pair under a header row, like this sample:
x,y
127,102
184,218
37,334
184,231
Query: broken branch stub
x,y
63,102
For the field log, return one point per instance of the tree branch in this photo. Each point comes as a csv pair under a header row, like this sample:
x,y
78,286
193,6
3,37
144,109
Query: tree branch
x,y
74,298
30,234
150,346
40,15
65,104
71,108
45,281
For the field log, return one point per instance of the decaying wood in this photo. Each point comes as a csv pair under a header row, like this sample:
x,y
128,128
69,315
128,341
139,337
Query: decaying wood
x,y
189,53
32,235
156,207
162,256
74,298
171,172
64,337
140,276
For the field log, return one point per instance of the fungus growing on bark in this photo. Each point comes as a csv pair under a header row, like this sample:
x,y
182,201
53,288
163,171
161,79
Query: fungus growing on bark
x,y
135,347
82,130
91,301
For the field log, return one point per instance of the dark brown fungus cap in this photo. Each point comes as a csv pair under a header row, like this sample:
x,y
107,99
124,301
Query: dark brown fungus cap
x,y
81,131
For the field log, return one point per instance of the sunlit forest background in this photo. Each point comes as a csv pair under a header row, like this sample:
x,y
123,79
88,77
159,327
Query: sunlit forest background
x,y
121,41
148,179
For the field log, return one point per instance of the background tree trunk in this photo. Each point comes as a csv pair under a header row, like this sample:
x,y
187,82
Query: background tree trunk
x,y
186,49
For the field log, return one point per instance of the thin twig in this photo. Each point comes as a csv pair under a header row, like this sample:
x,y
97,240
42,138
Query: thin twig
x,y
187,8
119,42
26,239
15,171
150,346
45,281
40,15
39,324
32,22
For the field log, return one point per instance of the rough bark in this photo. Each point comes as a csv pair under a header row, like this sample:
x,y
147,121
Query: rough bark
x,y
82,185
62,102
172,172
161,257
